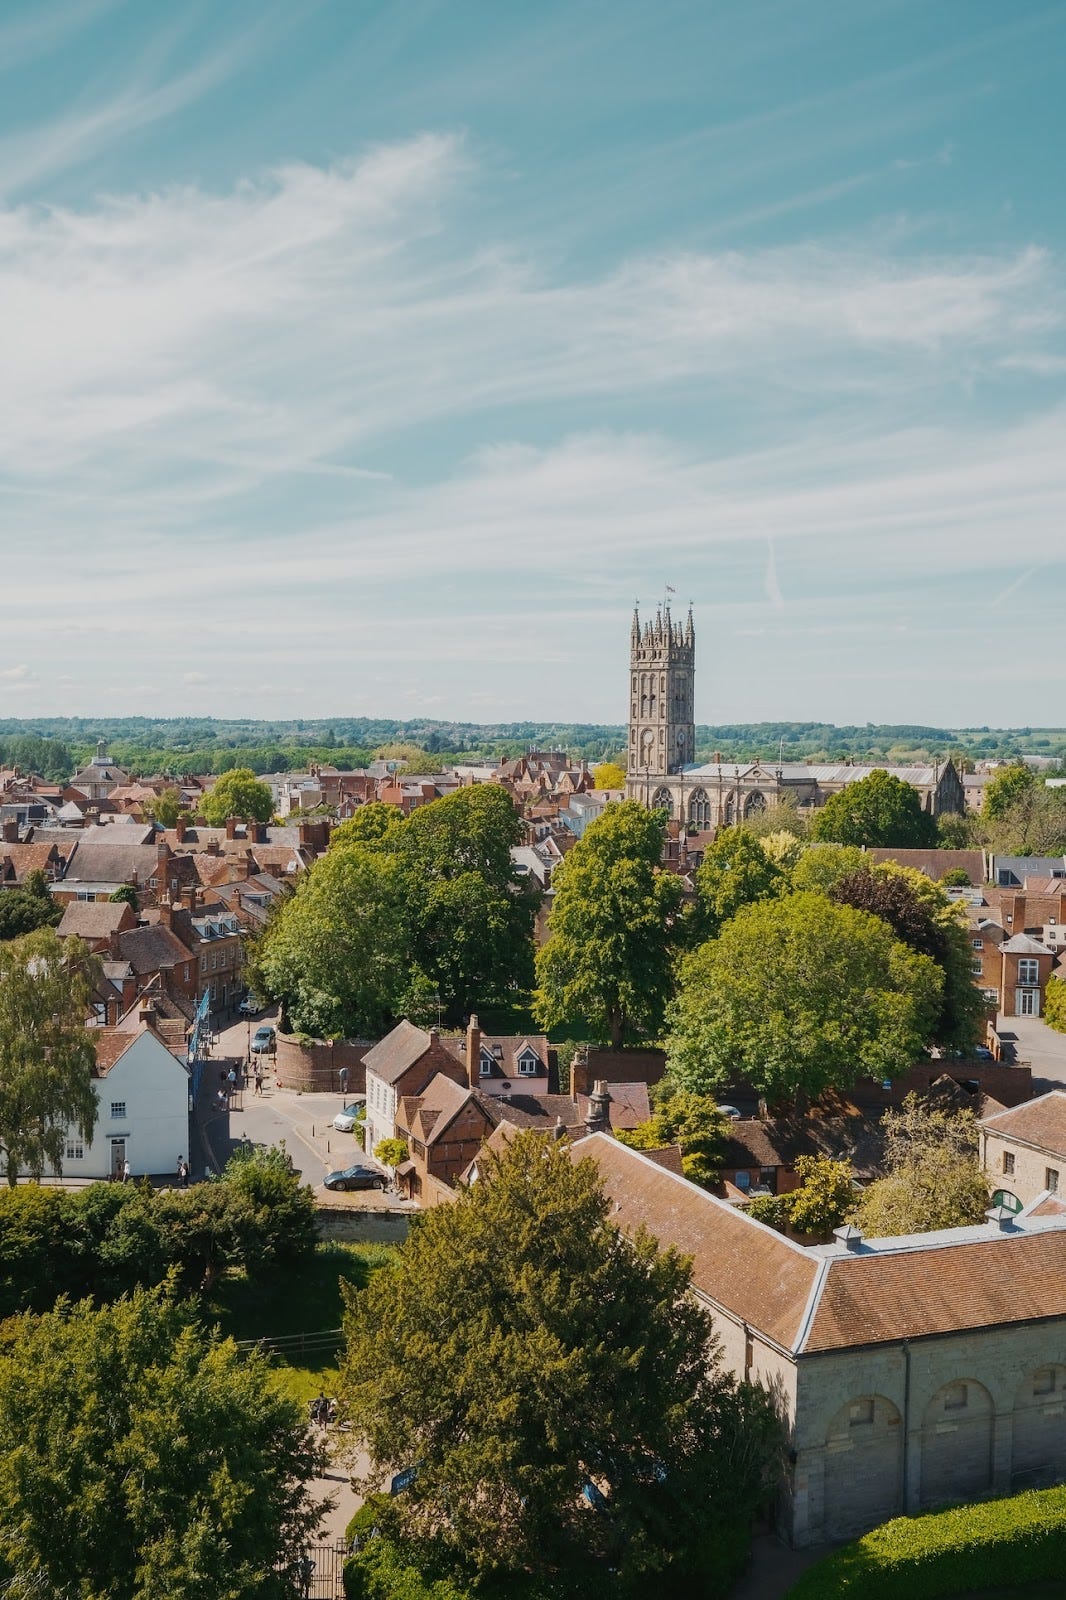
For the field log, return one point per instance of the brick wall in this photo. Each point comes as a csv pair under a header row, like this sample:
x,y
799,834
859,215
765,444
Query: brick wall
x,y
315,1065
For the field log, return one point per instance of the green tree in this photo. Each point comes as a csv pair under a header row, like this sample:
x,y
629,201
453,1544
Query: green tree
x,y
206,1229
165,808
371,824
822,865
25,910
126,894
522,1348
611,927
825,1196
284,1208
692,1121
238,793
1055,1004
878,810
47,1055
735,871
390,1152
799,995
1005,788
337,953
920,913
141,1456
934,1179
609,775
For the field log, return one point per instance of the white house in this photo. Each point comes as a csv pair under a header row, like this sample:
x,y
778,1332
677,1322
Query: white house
x,y
142,1091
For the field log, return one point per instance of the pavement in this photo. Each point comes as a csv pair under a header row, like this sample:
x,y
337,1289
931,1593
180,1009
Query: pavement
x,y
302,1121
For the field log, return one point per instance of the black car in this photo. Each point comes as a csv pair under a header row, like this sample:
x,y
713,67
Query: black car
x,y
357,1177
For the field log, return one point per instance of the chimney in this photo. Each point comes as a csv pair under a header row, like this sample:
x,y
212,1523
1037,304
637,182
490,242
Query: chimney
x,y
179,829
166,914
598,1116
849,1236
188,896
10,830
231,827
114,952
111,1011
473,1053
146,1012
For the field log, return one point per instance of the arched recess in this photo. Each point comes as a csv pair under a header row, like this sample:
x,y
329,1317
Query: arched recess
x,y
662,800
863,1467
699,809
1038,1452
755,803
957,1443
730,811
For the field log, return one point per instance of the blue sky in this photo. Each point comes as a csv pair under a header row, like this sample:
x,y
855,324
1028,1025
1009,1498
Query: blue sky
x,y
371,358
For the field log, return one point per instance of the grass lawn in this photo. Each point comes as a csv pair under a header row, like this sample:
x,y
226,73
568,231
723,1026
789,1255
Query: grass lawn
x,y
306,1299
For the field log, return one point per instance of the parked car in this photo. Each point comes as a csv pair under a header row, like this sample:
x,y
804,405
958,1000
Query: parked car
x,y
249,1006
348,1116
357,1177
263,1040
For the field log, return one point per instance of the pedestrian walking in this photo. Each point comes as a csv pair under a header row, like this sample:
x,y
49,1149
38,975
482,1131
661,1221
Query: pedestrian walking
x,y
127,1171
183,1172
343,1076
258,1080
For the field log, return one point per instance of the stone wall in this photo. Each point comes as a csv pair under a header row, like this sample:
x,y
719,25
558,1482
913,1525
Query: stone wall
x,y
316,1064
361,1225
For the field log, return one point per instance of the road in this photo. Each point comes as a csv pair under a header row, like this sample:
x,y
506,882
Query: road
x,y
303,1121
1041,1046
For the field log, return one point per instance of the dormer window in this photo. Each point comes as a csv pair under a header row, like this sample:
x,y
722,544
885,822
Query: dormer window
x,y
528,1064
485,1065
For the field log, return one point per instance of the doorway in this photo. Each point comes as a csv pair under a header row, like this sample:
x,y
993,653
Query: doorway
x,y
118,1157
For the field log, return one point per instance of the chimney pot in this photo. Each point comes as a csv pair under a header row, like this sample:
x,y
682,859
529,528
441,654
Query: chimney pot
x,y
473,1053
849,1236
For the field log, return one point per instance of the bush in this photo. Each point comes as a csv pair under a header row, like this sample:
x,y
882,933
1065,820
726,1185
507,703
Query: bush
x,y
1012,1541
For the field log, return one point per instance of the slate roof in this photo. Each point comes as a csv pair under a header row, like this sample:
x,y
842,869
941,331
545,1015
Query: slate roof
x,y
101,861
152,948
1023,945
1040,1122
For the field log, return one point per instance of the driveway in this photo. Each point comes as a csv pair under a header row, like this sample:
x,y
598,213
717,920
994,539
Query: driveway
x,y
1041,1046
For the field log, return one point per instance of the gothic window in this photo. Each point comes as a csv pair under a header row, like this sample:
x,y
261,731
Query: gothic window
x,y
754,804
699,809
661,801
730,812
647,748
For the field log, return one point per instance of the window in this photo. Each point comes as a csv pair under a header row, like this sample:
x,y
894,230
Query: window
x,y
1044,1382
978,944
118,1110
955,1397
976,968
187,969
1051,1179
528,1064
1029,971
860,1413
485,1066
75,1150
1008,1163
1028,1002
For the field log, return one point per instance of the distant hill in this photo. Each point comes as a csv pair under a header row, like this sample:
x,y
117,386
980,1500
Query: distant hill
x,y
55,745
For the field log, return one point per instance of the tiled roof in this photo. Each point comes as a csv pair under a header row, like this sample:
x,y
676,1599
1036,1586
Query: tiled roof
x,y
629,1106
390,1057
944,1287
110,1045
1041,1122
1023,945
934,863
97,861
152,948
432,1113
93,919
753,1272
27,858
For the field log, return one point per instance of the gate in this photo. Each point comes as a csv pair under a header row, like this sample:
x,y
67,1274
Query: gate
x,y
317,1573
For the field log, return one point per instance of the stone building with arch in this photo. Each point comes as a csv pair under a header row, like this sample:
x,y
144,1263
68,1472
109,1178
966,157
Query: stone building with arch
x,y
908,1372
661,747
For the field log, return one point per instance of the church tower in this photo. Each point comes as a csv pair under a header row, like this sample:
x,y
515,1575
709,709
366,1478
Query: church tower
x,y
662,730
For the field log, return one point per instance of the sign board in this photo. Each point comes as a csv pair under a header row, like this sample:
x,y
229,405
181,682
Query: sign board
x,y
403,1480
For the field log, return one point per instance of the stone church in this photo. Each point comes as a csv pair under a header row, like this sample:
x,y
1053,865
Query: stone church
x,y
661,758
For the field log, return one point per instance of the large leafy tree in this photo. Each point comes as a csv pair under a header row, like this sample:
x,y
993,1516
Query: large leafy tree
x,y
47,1056
29,908
934,1179
523,1348
608,956
735,871
798,995
141,1456
920,913
1055,1005
879,810
238,793
1005,789
336,954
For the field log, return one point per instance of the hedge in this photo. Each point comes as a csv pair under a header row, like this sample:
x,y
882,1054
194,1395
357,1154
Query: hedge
x,y
1012,1541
